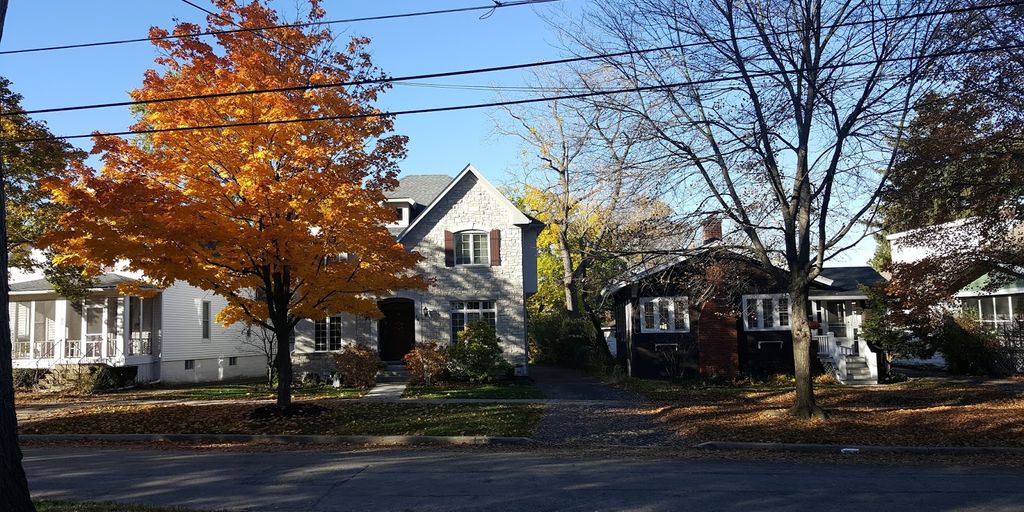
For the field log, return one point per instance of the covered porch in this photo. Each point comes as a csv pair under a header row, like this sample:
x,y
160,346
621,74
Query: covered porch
x,y
840,345
106,328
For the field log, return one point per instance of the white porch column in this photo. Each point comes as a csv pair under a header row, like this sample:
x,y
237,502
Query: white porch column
x,y
60,318
126,336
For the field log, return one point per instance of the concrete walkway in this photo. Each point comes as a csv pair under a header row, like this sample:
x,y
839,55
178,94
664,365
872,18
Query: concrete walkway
x,y
495,481
385,392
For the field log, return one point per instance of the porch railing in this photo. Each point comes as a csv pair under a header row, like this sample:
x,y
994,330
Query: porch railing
x,y
829,345
98,347
140,344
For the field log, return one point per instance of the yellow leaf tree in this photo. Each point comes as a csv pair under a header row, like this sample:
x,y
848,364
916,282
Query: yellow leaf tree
x,y
283,220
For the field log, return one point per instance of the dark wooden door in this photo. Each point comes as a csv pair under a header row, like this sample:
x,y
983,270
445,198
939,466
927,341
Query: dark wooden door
x,y
397,330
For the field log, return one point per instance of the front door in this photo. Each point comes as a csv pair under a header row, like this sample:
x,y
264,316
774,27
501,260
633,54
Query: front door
x,y
397,330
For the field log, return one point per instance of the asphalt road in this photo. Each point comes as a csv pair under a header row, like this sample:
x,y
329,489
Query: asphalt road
x,y
435,479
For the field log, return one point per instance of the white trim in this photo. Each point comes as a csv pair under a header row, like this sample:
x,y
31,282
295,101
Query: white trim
x,y
672,314
485,259
518,217
1000,291
837,297
776,320
824,280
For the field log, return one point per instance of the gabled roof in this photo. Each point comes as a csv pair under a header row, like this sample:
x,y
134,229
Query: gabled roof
x,y
103,282
833,282
518,217
845,281
420,188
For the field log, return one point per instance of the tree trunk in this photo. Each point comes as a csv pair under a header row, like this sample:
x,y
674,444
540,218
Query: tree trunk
x,y
282,332
804,406
14,493
568,276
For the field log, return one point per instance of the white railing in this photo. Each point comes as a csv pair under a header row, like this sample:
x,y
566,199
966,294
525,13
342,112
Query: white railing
x,y
140,344
830,346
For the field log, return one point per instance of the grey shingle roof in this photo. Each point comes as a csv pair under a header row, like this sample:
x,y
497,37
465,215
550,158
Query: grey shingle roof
x,y
846,281
110,280
422,188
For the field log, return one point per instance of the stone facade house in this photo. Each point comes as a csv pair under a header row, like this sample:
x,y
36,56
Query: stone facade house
x,y
480,254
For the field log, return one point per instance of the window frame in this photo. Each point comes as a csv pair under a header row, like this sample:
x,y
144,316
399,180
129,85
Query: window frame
x,y
461,308
657,303
327,333
190,365
1014,309
776,320
206,320
233,361
484,255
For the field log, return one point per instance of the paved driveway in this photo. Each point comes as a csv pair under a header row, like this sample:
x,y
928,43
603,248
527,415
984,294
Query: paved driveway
x,y
612,416
426,480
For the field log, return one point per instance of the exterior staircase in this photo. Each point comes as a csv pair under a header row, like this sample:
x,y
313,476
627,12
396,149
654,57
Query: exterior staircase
x,y
394,371
857,372
391,383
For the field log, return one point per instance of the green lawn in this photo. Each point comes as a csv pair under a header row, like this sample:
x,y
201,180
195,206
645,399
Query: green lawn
x,y
68,506
340,418
484,391
238,390
244,392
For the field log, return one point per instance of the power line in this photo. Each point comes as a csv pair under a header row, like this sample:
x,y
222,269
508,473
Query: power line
x,y
491,69
491,7
475,106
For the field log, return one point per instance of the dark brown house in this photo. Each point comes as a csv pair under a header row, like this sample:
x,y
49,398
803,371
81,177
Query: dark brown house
x,y
722,314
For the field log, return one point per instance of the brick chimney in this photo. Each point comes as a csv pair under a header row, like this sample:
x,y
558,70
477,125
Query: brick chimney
x,y
712,230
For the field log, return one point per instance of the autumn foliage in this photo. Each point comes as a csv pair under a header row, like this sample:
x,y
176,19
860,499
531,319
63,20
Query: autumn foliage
x,y
283,220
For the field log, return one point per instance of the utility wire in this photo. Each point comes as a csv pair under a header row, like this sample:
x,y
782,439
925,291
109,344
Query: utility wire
x,y
524,101
491,69
490,7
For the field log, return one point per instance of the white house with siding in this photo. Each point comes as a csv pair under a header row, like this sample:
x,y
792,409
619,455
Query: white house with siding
x,y
479,254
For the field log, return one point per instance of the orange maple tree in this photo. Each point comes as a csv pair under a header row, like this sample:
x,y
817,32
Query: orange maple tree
x,y
286,221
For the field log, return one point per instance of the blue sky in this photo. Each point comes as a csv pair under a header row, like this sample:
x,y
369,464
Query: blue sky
x,y
439,143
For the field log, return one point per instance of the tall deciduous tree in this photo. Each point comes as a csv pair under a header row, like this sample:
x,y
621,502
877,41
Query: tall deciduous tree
x,y
285,221
14,493
588,181
958,182
776,116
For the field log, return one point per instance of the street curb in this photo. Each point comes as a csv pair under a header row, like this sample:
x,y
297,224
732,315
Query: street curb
x,y
849,449
285,439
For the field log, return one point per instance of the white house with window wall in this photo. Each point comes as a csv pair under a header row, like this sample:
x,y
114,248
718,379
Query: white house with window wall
x,y
993,295
169,335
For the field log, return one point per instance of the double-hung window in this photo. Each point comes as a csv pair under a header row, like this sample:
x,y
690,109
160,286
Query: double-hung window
x,y
207,319
766,312
664,314
327,334
466,312
471,248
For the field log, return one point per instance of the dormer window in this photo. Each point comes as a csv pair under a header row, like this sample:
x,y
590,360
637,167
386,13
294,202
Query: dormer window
x,y
401,218
471,248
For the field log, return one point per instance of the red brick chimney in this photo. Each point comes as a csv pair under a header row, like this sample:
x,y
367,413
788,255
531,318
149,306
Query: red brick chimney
x,y
712,230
